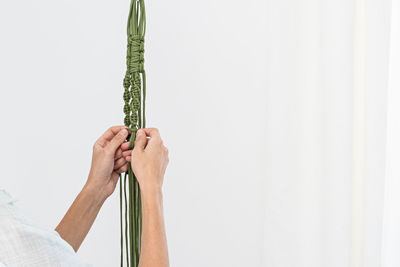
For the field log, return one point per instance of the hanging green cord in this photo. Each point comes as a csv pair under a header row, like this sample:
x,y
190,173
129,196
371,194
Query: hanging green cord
x,y
134,109
126,223
120,216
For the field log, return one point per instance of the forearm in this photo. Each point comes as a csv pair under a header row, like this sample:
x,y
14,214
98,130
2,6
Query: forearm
x,y
79,218
154,252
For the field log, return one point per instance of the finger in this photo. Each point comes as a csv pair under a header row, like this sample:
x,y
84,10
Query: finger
x,y
109,135
128,158
117,140
125,146
118,154
123,169
127,153
152,132
154,135
119,163
141,140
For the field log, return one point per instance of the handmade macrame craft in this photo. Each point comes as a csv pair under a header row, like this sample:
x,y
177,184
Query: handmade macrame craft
x,y
134,109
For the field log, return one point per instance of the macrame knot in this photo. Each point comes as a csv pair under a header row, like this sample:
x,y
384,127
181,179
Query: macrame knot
x,y
135,55
127,109
127,96
127,82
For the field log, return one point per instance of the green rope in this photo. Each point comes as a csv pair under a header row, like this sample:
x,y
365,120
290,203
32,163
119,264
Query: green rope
x,y
120,217
126,224
134,109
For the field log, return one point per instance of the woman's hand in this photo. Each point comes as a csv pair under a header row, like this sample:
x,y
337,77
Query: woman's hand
x,y
107,164
149,158
107,161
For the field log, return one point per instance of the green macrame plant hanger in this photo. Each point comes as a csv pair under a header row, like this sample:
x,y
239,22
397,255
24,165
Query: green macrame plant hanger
x,y
134,109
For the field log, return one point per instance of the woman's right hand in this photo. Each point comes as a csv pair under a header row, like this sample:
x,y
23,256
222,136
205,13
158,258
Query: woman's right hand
x,y
149,158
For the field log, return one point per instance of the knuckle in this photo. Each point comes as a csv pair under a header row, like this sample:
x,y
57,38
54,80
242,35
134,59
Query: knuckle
x,y
157,141
154,131
97,148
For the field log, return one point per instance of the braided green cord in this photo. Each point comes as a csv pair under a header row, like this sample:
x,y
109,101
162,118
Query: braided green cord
x,y
134,109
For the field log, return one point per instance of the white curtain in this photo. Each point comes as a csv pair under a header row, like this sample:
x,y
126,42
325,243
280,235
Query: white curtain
x,y
391,237
326,128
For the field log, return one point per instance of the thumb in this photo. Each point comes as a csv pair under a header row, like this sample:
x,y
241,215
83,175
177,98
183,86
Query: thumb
x,y
141,140
117,140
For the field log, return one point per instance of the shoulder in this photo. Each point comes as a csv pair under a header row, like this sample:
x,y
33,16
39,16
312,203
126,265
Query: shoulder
x,y
5,197
25,243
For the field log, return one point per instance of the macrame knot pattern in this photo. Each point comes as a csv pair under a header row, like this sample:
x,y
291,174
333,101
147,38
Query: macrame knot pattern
x,y
134,110
135,54
132,81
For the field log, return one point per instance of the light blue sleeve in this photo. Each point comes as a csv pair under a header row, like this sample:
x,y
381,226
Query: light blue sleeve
x,y
23,242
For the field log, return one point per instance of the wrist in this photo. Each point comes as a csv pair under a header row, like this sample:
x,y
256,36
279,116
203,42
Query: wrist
x,y
95,193
150,183
151,193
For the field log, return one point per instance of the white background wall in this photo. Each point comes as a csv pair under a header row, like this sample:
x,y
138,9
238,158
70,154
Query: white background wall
x,y
253,99
61,70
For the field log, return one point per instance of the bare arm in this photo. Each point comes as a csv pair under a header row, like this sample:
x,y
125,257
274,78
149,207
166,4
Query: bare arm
x,y
149,161
154,250
79,218
107,164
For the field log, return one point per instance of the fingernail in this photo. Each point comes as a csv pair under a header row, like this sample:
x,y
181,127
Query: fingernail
x,y
140,132
123,132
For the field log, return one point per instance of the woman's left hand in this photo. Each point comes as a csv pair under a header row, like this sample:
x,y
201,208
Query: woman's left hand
x,y
107,161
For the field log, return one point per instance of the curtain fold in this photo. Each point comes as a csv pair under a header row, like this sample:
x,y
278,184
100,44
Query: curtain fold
x,y
391,226
326,114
